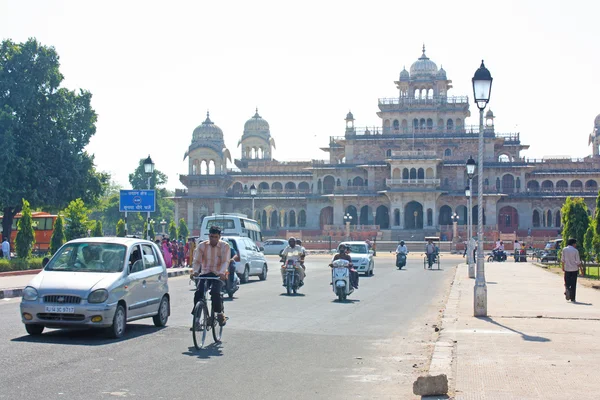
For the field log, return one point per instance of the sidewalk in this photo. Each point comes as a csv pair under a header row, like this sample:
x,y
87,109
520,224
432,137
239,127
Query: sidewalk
x,y
533,344
12,286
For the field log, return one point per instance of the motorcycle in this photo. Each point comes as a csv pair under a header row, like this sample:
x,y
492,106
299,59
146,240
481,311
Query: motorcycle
x,y
232,282
340,279
292,278
499,256
400,260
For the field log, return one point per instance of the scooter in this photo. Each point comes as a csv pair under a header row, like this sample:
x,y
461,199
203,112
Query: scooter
x,y
400,260
498,255
340,279
232,283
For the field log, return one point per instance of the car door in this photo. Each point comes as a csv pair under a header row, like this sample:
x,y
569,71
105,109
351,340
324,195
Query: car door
x,y
153,283
135,298
256,259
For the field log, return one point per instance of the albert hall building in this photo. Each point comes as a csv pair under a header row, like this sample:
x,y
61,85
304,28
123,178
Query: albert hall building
x,y
403,179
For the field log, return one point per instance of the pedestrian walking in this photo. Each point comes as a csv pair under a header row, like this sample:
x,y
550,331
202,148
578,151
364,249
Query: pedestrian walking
x,y
166,250
571,263
6,249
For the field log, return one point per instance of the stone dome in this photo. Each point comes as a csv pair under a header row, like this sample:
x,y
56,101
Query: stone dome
x,y
256,124
404,75
349,116
441,74
489,114
207,131
423,66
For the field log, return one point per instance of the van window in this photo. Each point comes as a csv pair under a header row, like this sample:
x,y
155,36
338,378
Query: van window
x,y
221,223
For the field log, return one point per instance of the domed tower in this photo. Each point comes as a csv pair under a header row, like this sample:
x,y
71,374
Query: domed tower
x,y
256,142
595,137
207,152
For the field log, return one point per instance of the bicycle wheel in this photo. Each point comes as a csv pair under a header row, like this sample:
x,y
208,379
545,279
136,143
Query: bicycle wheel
x,y
217,329
200,324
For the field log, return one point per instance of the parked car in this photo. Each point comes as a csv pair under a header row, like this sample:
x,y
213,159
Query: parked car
x,y
98,283
274,246
362,257
252,260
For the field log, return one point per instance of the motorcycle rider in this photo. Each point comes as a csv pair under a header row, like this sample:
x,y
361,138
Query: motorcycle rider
x,y
342,254
498,251
401,249
292,248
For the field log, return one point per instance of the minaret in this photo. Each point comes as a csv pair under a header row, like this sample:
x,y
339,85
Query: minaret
x,y
256,142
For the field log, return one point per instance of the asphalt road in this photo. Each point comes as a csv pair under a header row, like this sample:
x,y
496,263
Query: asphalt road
x,y
307,346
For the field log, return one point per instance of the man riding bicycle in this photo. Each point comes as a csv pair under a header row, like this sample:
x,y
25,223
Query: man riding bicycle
x,y
211,259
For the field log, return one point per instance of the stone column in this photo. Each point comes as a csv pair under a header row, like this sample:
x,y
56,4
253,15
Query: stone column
x,y
190,216
338,211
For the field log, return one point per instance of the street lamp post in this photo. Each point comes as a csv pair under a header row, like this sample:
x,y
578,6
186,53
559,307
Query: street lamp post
x,y
253,195
347,220
149,170
416,213
482,88
455,219
468,192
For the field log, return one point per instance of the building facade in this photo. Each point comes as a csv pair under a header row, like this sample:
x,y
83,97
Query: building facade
x,y
404,178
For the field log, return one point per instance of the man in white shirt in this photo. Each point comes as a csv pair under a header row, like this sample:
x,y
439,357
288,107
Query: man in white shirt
x,y
401,249
6,249
517,251
571,263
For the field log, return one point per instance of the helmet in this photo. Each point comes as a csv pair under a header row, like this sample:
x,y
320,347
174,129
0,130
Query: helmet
x,y
402,243
342,247
292,239
298,242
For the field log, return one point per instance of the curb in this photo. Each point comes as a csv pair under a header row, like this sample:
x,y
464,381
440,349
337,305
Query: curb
x,y
23,272
18,292
444,352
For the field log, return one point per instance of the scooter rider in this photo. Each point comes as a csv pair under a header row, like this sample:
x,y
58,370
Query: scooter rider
x,y
343,255
498,251
292,248
401,249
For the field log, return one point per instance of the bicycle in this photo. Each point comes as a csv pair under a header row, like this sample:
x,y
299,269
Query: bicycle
x,y
203,321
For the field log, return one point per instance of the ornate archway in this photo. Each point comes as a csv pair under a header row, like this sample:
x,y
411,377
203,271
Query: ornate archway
x,y
413,215
326,217
382,217
508,219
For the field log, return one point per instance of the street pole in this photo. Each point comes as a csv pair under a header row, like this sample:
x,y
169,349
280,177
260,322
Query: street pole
x,y
148,223
470,247
480,290
482,89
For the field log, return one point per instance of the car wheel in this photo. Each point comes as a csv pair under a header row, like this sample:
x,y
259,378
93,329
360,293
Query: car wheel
x,y
161,318
117,330
246,276
34,329
263,275
372,269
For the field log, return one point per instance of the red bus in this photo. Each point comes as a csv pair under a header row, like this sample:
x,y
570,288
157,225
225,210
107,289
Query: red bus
x,y
43,226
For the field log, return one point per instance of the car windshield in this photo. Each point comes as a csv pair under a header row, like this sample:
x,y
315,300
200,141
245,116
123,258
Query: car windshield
x,y
358,248
89,257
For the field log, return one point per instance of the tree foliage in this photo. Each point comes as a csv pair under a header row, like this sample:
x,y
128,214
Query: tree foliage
x,y
97,232
575,221
44,130
25,236
76,215
58,235
183,229
151,232
121,228
172,230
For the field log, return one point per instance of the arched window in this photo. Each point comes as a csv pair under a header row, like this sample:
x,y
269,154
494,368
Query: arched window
x,y
415,124
388,153
405,173
290,187
447,152
203,167
396,125
413,173
277,187
533,186
292,219
450,125
429,124
338,183
536,219
591,185
503,158
498,183
420,173
429,217
422,123
547,186
396,217
302,219
576,185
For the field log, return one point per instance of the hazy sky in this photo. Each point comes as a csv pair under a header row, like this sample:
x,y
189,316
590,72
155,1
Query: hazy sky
x,y
154,68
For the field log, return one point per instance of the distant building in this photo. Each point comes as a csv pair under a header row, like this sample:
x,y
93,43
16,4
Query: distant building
x,y
404,178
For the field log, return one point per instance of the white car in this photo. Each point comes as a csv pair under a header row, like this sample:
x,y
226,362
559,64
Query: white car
x,y
98,283
252,260
362,257
274,246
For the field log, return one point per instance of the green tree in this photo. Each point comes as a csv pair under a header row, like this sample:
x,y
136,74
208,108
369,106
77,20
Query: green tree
x,y
145,230
152,232
183,229
588,241
575,221
97,232
25,236
172,230
121,228
58,235
76,215
44,130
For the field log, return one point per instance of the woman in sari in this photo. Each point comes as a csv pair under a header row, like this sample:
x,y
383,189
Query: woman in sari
x,y
166,250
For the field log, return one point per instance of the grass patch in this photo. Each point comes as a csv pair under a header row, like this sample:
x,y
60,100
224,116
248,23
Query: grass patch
x,y
19,264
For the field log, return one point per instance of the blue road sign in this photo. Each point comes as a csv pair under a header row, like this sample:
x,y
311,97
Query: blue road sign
x,y
137,201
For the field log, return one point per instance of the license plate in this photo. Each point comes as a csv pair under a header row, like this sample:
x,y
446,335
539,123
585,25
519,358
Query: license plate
x,y
60,309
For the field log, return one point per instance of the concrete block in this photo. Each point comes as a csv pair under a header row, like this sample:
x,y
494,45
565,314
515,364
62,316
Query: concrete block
x,y
431,385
